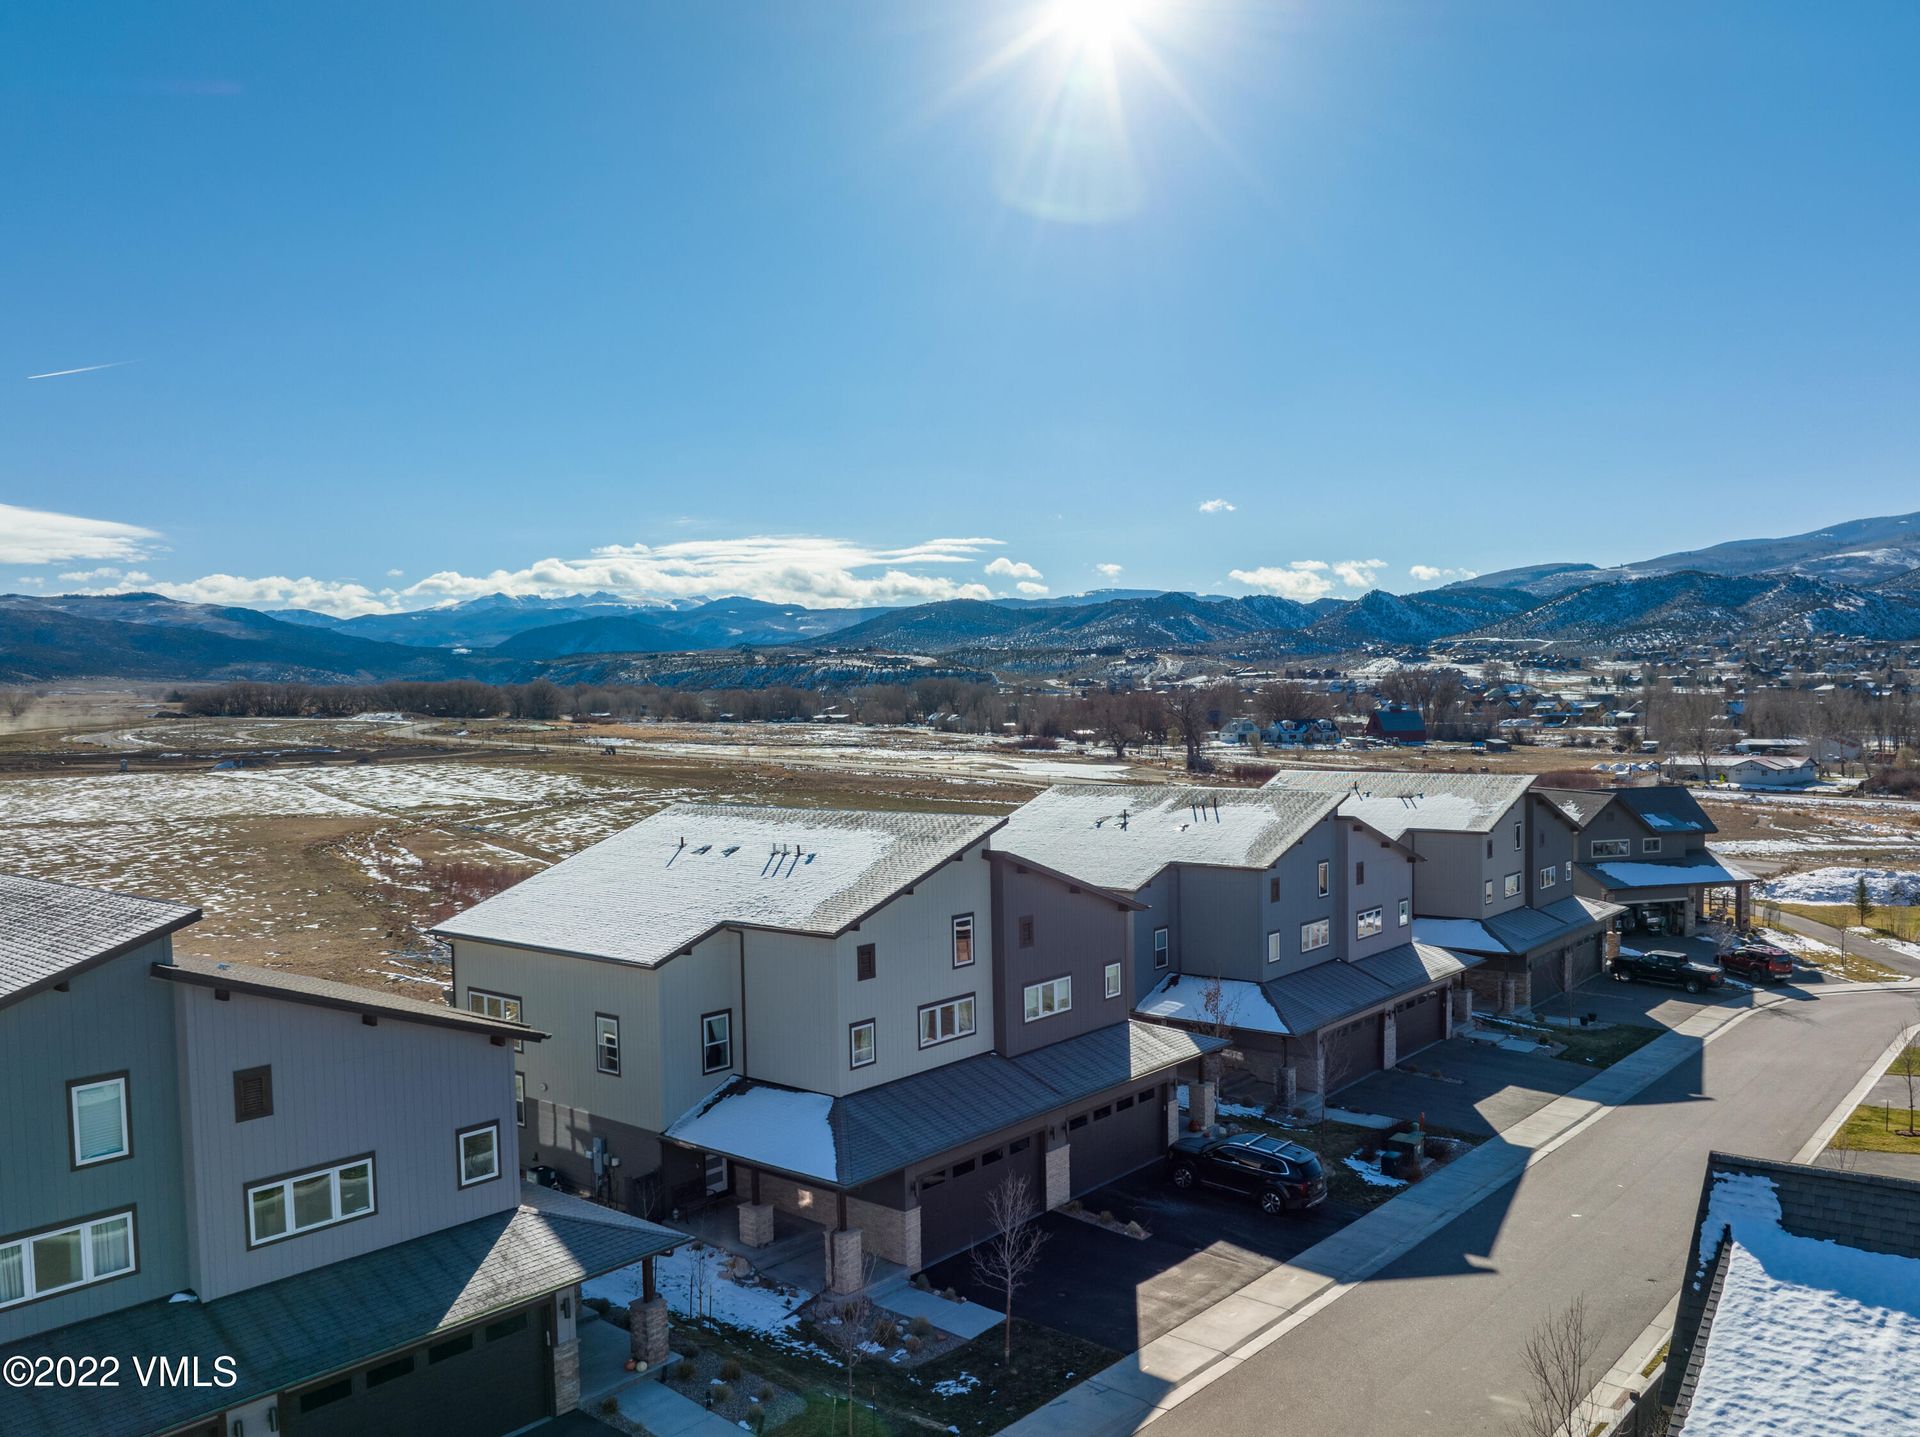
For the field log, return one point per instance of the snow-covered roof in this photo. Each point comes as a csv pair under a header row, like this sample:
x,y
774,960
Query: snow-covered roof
x,y
670,880
1119,836
1396,803
1799,1328
1622,876
1244,1005
1464,933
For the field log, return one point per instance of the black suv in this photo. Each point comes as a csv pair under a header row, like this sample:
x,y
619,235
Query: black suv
x,y
1662,965
1279,1175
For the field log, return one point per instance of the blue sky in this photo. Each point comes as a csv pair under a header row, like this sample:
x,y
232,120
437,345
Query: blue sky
x,y
409,302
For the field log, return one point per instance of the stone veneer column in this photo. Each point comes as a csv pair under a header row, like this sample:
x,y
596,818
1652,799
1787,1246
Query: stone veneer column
x,y
1507,986
1460,1009
647,1332
845,1265
1059,1174
756,1224
1389,1039
1287,1088
1173,1120
1206,1104
566,1375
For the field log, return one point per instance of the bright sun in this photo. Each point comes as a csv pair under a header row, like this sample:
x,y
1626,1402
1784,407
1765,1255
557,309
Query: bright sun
x,y
1095,23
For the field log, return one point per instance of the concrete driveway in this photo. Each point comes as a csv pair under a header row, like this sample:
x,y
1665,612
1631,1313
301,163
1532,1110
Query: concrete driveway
x,y
1123,1292
1465,1087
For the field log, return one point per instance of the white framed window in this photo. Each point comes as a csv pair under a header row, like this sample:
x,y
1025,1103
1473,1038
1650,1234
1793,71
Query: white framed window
x,y
503,1006
1567,870
1549,876
1323,878
606,1043
862,1044
520,1099
1519,842
1406,911
301,1202
1159,947
716,1040
1510,885
1274,951
1112,979
947,1020
1612,848
1649,845
41,1263
1043,1000
98,1109
1317,933
479,1153
963,940
1367,922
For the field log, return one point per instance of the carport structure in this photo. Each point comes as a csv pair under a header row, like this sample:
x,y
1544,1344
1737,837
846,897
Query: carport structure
x,y
1530,955
902,1171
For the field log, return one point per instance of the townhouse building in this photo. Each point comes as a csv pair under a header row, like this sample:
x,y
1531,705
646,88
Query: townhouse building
x,y
307,1190
862,1020
1265,916
1497,877
1645,849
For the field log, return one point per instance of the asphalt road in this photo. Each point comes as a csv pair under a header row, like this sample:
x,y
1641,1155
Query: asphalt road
x,y
1430,1345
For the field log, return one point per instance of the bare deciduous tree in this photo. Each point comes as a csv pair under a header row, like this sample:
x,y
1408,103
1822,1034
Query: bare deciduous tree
x,y
16,702
848,1330
1559,1361
1006,1260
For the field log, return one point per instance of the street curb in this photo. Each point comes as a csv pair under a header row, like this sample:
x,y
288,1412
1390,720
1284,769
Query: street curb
x,y
1823,1134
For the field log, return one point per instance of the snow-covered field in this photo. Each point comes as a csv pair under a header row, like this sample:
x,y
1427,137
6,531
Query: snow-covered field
x,y
1897,887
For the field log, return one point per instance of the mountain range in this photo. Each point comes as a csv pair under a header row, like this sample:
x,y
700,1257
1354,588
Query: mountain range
x,y
1860,579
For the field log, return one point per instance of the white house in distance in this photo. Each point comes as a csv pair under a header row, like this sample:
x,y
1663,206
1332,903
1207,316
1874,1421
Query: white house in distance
x,y
1747,770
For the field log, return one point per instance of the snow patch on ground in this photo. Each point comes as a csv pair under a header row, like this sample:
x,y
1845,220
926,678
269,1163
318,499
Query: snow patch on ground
x,y
1369,1173
956,1386
1224,1110
1836,885
696,1284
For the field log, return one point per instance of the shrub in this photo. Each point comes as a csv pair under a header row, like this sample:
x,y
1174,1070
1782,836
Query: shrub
x,y
766,1393
949,1294
729,1371
912,1344
683,1371
886,1332
721,1392
1106,1215
919,1327
609,1405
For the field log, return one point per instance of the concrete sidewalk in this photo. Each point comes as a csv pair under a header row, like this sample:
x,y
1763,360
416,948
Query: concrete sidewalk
x,y
1145,1384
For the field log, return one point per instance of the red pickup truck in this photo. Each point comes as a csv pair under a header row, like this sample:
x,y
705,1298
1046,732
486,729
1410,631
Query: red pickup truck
x,y
1761,962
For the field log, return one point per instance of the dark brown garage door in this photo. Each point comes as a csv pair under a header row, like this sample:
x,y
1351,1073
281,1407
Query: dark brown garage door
x,y
1586,959
953,1201
1351,1051
483,1381
1420,1023
1546,971
1114,1137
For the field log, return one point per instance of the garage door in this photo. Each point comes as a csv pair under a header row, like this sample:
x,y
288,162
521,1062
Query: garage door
x,y
1114,1137
1419,1024
953,1201
483,1381
1351,1052
1546,971
1586,959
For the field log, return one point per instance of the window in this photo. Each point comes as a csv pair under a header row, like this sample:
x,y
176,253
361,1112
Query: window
x,y
1026,931
252,1094
326,1396
1486,891
452,1347
1567,870
1367,922
1273,947
1159,947
862,1047
1043,1000
98,1107
864,963
1649,845
502,1006
1317,934
1510,885
1549,876
606,1043
1112,980
1324,876
1359,873
1273,890
390,1371
281,1207
1406,911
479,1153
1612,848
716,1040
944,1021
43,1263
963,940
1489,848
1519,842
520,1099
506,1327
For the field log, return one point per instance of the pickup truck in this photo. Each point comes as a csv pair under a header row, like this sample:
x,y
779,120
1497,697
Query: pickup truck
x,y
1661,965
1762,962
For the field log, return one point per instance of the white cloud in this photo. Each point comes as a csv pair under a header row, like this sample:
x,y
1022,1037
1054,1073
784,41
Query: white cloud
x,y
38,536
1309,566
339,597
395,573
105,574
1030,589
1299,581
1112,571
1013,569
1215,506
1428,574
1358,573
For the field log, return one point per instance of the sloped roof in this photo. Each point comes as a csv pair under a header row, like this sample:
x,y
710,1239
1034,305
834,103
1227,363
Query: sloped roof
x,y
1523,929
866,1135
1411,966
50,931
1334,991
336,1317
1398,803
326,993
1639,876
1179,998
1666,808
670,880
1118,836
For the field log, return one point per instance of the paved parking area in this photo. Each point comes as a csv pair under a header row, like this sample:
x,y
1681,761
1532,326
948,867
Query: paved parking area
x,y
1465,1087
1124,1292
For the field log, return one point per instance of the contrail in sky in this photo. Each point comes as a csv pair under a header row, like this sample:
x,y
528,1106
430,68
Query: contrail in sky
x,y
83,369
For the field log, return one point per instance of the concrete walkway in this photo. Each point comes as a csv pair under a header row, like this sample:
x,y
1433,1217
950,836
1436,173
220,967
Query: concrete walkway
x,y
1166,1372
